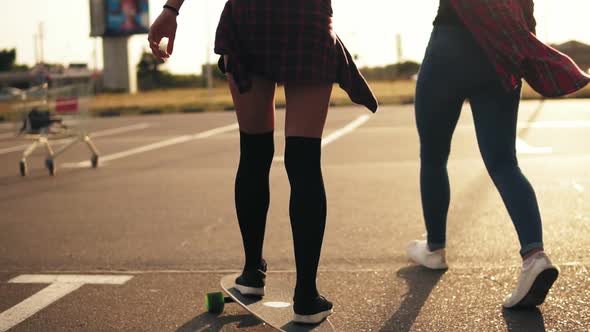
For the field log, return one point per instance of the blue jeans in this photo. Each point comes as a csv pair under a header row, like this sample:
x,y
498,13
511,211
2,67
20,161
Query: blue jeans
x,y
455,69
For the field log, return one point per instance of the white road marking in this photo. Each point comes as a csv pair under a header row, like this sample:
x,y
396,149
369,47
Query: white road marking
x,y
70,278
7,135
555,124
539,125
60,286
100,133
346,129
331,269
35,303
114,131
337,134
155,146
524,148
579,188
14,149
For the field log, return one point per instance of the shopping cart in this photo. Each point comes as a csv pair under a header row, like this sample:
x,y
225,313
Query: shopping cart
x,y
57,116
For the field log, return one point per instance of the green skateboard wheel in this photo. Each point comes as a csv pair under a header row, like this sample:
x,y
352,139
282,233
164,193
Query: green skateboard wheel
x,y
214,302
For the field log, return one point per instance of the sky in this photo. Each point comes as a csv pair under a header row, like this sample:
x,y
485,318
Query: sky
x,y
368,30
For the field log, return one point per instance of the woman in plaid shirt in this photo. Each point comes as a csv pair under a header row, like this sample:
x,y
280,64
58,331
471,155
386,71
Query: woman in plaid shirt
x,y
262,43
480,50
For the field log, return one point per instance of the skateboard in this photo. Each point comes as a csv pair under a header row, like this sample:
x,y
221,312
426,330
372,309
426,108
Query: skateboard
x,y
275,308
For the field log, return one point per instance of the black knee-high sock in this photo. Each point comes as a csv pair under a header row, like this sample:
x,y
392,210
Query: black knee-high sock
x,y
252,193
307,209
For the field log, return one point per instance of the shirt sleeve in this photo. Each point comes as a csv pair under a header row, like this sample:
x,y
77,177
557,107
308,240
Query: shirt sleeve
x,y
528,8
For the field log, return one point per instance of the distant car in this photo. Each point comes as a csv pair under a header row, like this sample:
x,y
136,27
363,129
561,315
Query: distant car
x,y
8,93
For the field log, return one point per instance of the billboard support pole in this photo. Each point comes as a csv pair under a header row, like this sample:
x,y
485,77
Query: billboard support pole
x,y
36,48
115,21
41,42
119,72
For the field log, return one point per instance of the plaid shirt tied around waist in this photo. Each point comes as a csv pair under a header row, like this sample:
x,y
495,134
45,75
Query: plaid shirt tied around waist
x,y
287,41
505,29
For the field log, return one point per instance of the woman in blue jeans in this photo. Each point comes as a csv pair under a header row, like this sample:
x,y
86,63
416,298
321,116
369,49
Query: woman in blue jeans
x,y
455,69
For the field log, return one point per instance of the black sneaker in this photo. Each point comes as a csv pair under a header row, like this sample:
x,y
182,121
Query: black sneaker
x,y
251,282
312,312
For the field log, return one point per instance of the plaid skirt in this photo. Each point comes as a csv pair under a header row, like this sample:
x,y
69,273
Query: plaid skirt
x,y
287,41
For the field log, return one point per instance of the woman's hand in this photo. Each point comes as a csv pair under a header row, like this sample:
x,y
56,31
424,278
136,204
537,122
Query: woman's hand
x,y
164,27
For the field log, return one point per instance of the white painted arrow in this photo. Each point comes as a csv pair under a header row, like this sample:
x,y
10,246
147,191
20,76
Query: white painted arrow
x,y
60,286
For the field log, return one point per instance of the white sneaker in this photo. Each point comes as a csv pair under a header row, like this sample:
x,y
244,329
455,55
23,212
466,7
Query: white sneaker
x,y
418,252
537,276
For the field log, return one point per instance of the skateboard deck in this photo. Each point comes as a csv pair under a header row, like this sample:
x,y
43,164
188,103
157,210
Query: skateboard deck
x,y
275,308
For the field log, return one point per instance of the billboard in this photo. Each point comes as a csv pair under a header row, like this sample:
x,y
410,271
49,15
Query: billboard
x,y
119,17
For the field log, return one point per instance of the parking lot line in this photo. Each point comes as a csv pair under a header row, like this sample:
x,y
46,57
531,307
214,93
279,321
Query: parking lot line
x,y
14,149
337,133
60,286
35,303
7,135
114,131
524,148
70,278
555,124
346,129
579,188
155,146
100,133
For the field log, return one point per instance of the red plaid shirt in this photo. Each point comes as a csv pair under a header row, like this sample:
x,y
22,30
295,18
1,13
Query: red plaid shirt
x,y
505,29
287,41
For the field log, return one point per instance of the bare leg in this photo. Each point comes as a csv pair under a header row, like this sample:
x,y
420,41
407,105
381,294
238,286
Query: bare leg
x,y
255,112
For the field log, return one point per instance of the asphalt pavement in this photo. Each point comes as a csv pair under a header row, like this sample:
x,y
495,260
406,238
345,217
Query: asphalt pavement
x,y
135,244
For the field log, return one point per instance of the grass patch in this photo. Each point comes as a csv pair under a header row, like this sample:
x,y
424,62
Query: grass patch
x,y
178,100
219,99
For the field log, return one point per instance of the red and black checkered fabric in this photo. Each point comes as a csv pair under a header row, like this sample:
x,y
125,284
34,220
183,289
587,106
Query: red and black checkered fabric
x,y
287,41
505,29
